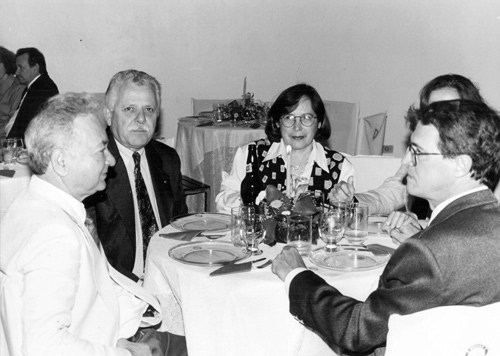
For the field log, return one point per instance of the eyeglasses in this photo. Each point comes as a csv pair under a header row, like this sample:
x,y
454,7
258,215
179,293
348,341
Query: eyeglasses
x,y
414,153
306,120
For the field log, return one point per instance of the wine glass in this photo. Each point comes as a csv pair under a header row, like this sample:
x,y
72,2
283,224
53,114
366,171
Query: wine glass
x,y
331,228
252,231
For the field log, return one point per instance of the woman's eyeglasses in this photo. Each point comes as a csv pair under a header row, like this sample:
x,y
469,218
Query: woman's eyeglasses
x,y
306,120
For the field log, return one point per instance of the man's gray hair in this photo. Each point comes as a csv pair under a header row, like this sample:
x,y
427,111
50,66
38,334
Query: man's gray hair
x,y
53,126
131,76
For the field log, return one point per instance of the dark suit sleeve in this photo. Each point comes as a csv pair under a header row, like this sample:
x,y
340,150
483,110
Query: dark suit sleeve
x,y
408,284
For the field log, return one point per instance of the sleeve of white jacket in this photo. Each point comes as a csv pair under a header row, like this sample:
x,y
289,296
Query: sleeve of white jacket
x,y
229,196
390,196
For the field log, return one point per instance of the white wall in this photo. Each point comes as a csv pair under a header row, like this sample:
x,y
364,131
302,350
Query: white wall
x,y
377,52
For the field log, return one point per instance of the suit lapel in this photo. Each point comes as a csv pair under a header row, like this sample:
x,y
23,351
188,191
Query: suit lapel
x,y
161,184
120,192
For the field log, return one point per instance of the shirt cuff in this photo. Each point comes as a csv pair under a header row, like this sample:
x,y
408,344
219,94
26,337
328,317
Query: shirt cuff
x,y
291,275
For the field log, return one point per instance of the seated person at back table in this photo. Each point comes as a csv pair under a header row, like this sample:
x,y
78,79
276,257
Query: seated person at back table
x,y
11,90
59,294
453,162
297,118
392,194
144,189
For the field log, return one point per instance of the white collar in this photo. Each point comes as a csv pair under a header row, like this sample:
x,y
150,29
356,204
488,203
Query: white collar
x,y
127,152
317,154
30,83
447,202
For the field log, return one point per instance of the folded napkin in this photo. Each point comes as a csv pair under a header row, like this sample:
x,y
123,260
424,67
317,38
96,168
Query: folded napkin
x,y
182,235
7,173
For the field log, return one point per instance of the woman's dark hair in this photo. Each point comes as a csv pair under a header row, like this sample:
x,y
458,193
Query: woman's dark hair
x,y
287,102
464,87
8,59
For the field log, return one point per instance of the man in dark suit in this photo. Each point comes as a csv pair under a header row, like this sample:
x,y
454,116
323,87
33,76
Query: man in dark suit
x,y
144,189
454,162
32,72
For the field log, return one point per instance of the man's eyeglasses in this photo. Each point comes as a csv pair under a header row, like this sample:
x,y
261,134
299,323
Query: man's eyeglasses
x,y
414,153
306,120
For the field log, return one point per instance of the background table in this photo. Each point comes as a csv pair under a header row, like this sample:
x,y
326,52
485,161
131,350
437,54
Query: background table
x,y
206,151
10,188
243,313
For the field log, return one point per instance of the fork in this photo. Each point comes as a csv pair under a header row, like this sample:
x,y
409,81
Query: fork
x,y
265,264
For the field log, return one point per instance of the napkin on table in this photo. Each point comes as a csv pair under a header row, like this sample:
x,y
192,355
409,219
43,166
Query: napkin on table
x,y
7,173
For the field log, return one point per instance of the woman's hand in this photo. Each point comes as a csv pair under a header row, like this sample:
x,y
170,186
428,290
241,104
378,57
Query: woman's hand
x,y
401,226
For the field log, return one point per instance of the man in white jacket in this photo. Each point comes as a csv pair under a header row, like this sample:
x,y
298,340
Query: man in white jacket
x,y
59,294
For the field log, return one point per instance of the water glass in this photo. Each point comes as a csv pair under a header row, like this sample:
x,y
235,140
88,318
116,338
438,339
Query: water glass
x,y
235,227
356,231
299,233
331,228
9,150
252,230
217,113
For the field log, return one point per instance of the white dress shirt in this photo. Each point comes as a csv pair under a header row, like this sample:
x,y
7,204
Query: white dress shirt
x,y
128,160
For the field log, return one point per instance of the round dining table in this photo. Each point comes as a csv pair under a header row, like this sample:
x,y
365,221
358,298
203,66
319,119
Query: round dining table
x,y
207,151
242,313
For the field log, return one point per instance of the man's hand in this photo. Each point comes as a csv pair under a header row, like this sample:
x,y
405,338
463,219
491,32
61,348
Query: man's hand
x,y
135,348
401,226
286,261
343,191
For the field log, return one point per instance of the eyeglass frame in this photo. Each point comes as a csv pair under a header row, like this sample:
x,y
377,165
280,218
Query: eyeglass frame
x,y
414,154
295,119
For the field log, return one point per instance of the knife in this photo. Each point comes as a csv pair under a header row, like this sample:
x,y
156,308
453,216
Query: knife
x,y
235,268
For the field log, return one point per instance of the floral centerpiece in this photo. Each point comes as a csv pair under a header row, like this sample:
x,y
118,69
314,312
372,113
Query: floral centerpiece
x,y
278,207
245,109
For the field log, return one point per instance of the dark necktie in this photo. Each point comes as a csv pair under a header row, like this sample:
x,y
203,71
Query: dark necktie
x,y
22,97
146,214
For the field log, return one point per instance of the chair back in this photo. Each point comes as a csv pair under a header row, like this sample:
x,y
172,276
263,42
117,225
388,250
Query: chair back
x,y
449,330
370,134
203,105
344,121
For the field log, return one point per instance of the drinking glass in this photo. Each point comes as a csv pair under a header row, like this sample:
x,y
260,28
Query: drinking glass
x,y
217,113
235,227
356,231
252,229
299,233
19,148
9,150
331,228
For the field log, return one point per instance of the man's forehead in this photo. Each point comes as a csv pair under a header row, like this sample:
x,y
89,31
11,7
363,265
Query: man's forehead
x,y
425,136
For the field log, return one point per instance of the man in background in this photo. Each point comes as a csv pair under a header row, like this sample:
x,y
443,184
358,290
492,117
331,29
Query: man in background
x,y
59,294
144,189
32,72
454,163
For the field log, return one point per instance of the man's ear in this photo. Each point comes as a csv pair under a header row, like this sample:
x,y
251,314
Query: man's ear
x,y
463,165
108,115
58,162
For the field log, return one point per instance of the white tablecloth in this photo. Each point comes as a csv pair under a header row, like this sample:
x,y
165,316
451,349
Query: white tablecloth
x,y
242,313
10,188
206,151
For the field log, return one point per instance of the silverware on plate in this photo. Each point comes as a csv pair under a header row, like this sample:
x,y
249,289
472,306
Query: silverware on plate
x,y
235,267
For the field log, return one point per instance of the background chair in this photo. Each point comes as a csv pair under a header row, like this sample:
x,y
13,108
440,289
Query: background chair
x,y
344,121
449,330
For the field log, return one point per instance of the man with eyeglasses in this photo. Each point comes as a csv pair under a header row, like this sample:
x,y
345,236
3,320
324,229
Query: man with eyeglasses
x,y
454,163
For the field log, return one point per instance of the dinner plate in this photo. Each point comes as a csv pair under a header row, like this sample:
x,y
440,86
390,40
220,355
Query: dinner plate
x,y
348,259
202,221
207,253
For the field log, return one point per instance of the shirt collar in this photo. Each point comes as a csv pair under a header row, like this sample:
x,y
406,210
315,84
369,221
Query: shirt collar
x,y
127,153
447,202
59,198
30,83
317,154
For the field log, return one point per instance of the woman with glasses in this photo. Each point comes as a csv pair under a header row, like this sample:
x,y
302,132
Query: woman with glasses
x,y
392,195
297,119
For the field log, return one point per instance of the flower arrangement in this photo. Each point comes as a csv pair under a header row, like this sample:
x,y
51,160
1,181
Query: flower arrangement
x,y
245,109
278,207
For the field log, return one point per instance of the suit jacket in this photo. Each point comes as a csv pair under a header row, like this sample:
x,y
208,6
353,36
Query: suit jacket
x,y
454,261
57,294
40,91
114,207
